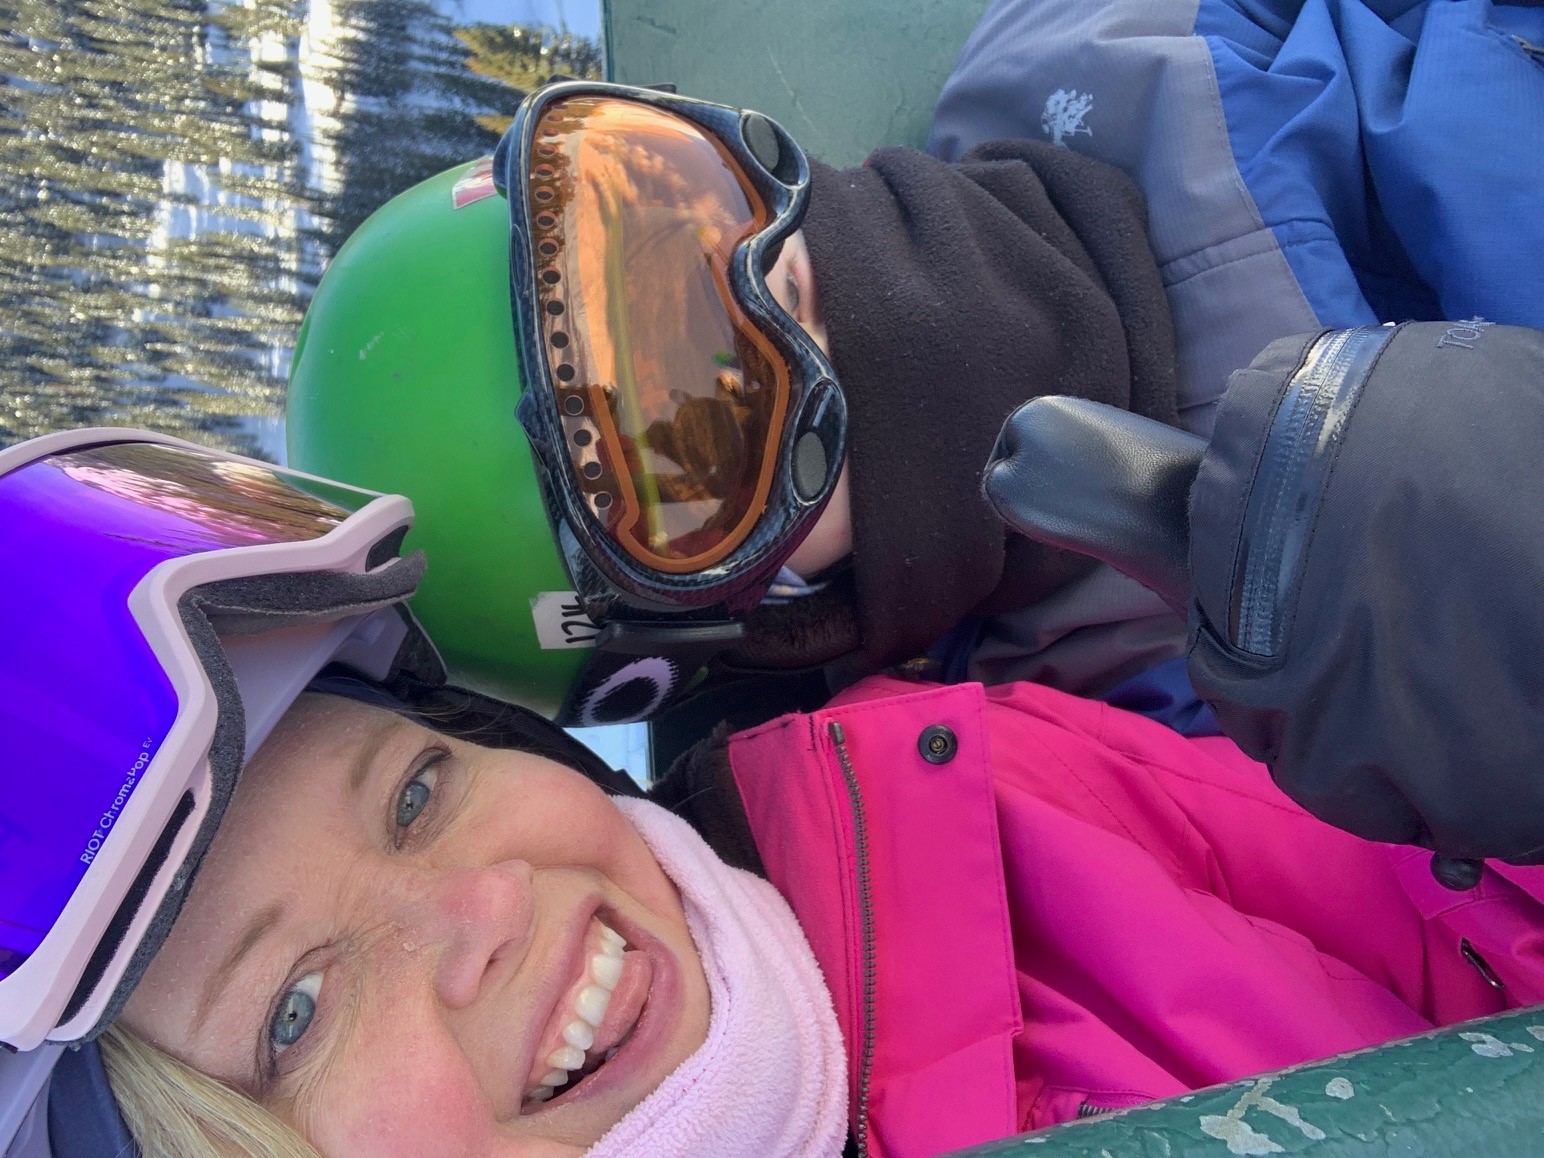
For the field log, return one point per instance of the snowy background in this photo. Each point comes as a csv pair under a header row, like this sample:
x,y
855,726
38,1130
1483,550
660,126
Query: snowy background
x,y
176,177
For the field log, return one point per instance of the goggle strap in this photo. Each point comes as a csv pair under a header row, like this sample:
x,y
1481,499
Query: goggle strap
x,y
83,1117
416,661
239,606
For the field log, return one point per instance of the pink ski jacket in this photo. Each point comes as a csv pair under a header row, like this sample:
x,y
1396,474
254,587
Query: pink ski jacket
x,y
1031,907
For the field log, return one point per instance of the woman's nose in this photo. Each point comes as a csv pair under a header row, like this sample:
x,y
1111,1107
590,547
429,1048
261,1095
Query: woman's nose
x,y
468,919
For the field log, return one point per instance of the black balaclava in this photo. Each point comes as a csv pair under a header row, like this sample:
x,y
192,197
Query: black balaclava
x,y
951,294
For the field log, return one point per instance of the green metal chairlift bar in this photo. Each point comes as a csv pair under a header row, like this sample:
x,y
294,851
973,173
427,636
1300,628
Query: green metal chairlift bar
x,y
844,77
1475,1090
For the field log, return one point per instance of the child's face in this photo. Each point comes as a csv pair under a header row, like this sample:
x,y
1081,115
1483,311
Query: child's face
x,y
792,283
394,930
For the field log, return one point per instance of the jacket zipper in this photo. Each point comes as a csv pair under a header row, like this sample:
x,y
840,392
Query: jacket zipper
x,y
866,910
1472,955
1294,467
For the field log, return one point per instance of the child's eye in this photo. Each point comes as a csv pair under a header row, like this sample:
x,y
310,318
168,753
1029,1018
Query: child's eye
x,y
415,795
792,289
293,1016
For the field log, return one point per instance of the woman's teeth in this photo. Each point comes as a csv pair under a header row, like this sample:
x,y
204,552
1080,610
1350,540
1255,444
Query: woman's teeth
x,y
590,1006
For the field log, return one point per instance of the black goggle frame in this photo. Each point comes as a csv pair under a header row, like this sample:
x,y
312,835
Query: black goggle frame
x,y
630,598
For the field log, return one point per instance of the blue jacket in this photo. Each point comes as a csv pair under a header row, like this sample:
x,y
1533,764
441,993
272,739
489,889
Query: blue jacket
x,y
1307,163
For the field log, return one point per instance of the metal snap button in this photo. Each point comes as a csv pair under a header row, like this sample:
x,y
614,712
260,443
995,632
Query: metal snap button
x,y
937,744
1457,873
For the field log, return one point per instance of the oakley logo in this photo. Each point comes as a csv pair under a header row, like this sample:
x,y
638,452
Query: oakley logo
x,y
110,817
560,621
633,692
1064,113
1465,334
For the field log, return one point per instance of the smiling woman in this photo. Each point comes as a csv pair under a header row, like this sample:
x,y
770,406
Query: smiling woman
x,y
423,921
431,924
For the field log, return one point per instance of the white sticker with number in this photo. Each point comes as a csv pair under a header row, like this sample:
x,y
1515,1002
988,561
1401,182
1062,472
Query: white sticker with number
x,y
561,622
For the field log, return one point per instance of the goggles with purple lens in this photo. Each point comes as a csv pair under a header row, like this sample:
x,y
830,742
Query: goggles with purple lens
x,y
165,605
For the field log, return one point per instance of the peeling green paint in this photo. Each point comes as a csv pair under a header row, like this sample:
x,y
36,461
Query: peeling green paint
x,y
1466,1090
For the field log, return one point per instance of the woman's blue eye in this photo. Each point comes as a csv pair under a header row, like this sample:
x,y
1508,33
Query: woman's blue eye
x,y
415,796
296,1009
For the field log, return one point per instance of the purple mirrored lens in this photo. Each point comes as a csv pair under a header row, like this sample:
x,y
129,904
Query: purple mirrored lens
x,y
84,704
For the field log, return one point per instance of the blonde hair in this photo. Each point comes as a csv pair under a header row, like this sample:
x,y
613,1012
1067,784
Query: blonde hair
x,y
174,1111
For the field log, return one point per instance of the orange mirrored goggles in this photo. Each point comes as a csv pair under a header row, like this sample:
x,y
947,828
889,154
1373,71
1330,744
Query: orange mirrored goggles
x,y
688,429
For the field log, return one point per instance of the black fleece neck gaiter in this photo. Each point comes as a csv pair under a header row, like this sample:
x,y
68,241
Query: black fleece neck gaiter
x,y
952,293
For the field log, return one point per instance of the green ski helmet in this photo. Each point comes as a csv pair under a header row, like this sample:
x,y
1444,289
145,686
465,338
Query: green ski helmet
x,y
404,381
610,494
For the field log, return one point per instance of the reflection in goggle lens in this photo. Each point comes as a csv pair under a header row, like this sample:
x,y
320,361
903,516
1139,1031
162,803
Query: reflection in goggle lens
x,y
671,400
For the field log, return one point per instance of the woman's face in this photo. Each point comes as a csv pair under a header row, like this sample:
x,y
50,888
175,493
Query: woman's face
x,y
400,942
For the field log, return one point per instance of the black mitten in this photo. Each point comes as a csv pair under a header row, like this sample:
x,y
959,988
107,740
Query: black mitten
x,y
1363,566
